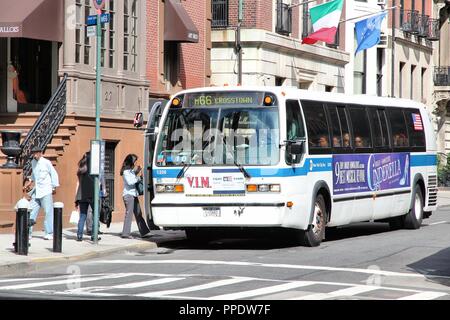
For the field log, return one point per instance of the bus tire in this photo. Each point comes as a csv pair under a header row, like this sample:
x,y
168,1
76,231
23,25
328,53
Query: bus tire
x,y
313,236
413,220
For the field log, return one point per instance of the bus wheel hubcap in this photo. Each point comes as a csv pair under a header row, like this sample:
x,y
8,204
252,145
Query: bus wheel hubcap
x,y
317,220
417,207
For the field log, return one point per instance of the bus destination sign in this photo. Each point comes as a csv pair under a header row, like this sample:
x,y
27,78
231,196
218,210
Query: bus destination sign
x,y
206,99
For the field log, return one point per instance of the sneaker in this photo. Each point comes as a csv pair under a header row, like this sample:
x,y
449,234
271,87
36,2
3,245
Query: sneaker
x,y
48,237
79,239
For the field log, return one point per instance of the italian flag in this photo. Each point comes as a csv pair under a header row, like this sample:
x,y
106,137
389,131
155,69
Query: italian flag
x,y
325,20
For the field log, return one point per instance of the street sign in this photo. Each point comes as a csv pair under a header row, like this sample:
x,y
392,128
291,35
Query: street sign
x,y
92,20
99,4
91,31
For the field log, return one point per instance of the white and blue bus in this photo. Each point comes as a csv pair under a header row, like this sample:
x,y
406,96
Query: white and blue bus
x,y
279,157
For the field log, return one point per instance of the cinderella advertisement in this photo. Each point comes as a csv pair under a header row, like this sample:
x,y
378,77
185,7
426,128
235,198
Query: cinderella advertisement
x,y
370,172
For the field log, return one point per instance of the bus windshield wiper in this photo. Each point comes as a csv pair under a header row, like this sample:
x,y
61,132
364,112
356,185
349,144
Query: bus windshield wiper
x,y
240,166
186,166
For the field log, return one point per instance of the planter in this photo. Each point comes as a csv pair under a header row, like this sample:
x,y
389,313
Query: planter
x,y
11,147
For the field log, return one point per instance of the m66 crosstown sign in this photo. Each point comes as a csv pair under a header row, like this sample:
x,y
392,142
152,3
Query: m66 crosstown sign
x,y
99,4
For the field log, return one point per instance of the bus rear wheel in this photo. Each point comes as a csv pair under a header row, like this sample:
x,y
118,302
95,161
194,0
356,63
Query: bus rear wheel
x,y
413,220
313,236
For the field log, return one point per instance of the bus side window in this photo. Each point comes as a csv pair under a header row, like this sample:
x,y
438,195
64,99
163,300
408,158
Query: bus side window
x,y
384,128
415,128
377,130
294,127
336,130
361,129
398,128
317,125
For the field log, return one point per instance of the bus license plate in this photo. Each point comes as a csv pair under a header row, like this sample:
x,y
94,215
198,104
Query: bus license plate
x,y
211,212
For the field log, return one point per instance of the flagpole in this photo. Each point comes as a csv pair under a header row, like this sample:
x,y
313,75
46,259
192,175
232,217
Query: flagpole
x,y
370,14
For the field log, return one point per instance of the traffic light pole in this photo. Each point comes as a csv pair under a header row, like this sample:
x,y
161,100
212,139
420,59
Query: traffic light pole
x,y
97,126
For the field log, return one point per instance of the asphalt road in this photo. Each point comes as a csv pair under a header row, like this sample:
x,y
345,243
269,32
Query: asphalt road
x,y
362,261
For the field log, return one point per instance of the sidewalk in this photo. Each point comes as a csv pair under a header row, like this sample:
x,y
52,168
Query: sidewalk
x,y
41,254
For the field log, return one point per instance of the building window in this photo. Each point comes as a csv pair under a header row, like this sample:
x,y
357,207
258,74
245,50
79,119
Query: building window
x,y
219,9
422,82
380,58
306,21
284,18
279,81
400,79
108,37
329,88
411,82
130,35
82,41
359,73
171,62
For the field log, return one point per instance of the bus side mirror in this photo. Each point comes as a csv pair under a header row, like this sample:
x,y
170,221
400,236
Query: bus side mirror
x,y
138,120
295,148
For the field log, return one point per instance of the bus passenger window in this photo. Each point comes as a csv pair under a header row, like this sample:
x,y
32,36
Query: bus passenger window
x,y
398,127
294,127
415,128
361,129
316,124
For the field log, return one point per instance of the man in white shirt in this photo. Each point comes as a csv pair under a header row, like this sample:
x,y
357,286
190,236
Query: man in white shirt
x,y
45,180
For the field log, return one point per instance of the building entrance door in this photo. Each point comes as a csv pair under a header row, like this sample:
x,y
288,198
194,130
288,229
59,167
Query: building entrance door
x,y
110,161
3,74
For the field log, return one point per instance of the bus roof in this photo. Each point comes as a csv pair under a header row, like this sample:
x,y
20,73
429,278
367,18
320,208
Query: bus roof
x,y
295,93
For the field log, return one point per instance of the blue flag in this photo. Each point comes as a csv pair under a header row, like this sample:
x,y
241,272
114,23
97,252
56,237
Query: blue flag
x,y
368,32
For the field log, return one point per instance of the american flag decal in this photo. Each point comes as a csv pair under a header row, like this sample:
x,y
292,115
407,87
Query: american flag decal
x,y
417,121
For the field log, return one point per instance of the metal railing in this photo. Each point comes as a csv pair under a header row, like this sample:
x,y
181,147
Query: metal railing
x,y
45,126
423,23
409,21
219,10
434,30
442,76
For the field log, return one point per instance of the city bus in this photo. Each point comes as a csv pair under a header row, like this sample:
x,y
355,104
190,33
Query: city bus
x,y
266,158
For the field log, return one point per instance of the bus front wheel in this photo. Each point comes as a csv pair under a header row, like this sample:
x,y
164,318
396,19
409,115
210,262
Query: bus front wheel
x,y
313,236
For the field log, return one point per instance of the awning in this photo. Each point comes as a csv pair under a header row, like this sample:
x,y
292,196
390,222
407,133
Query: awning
x,y
34,19
178,26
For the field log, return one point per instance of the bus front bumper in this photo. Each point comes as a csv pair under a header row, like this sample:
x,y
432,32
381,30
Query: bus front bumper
x,y
220,214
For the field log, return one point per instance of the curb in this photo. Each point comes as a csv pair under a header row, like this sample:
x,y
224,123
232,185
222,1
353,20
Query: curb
x,y
36,264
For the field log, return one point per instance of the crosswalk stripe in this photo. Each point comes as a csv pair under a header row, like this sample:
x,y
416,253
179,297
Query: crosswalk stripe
x,y
145,283
426,295
69,280
265,265
262,291
347,292
210,285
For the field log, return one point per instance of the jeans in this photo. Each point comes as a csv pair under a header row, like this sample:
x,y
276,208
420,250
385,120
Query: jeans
x,y
46,203
84,206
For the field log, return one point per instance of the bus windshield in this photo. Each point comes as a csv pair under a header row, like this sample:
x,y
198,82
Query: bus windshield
x,y
219,135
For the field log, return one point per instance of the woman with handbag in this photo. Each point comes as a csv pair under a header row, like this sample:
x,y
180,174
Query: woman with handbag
x,y
130,194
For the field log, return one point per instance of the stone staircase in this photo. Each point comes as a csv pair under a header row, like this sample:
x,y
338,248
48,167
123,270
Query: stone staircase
x,y
23,123
55,149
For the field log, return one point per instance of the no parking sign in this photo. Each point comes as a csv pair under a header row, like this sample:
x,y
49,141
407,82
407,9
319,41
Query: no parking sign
x,y
99,4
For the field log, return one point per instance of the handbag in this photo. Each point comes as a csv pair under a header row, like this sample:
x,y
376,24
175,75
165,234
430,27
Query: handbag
x,y
105,213
140,187
74,217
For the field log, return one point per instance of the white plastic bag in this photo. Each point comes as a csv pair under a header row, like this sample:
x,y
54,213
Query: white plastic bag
x,y
74,217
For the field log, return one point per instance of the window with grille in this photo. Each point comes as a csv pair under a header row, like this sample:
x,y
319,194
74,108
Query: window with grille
x,y
82,41
284,18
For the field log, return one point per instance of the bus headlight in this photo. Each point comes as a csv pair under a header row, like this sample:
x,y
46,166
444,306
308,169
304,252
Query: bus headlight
x,y
169,188
263,188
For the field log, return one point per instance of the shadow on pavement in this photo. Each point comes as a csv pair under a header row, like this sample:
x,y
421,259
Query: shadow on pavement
x,y
436,268
355,230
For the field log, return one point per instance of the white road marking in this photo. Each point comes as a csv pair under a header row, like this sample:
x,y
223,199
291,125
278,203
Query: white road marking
x,y
439,222
65,281
262,291
210,285
265,265
144,283
426,295
338,293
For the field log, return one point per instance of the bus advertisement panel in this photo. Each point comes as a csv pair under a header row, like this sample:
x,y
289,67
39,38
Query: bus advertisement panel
x,y
370,172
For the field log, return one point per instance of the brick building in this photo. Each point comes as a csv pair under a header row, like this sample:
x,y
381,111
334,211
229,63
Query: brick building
x,y
178,45
271,33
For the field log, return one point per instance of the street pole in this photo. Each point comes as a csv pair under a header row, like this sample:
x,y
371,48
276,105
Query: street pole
x,y
97,125
238,41
393,50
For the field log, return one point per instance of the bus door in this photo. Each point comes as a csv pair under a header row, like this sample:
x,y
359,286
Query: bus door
x,y
154,116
